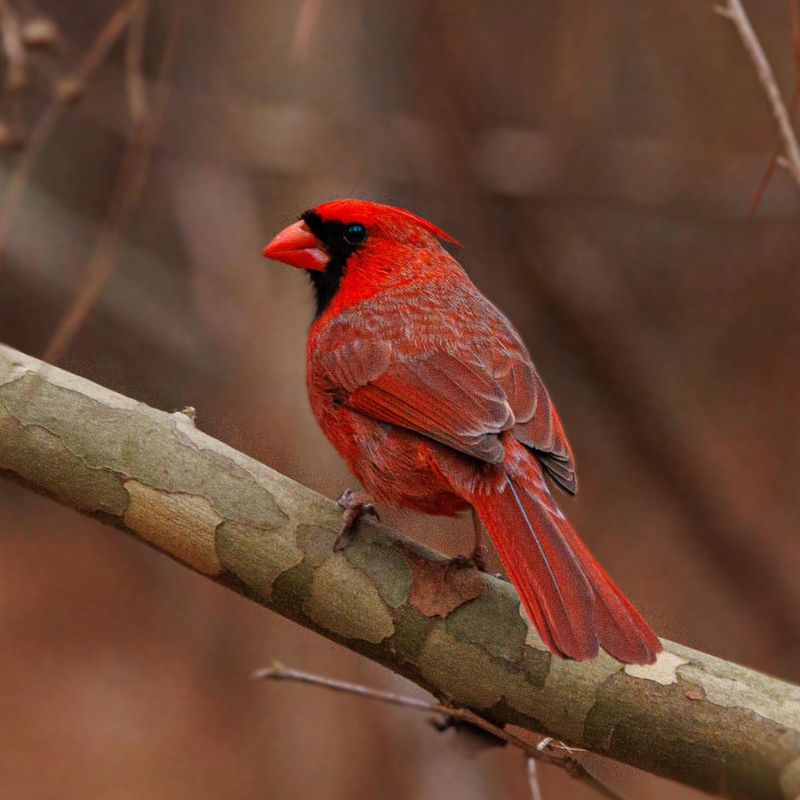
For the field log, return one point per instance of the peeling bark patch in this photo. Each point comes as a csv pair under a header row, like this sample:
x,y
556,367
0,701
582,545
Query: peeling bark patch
x,y
290,590
242,551
536,665
411,631
343,600
316,543
39,457
437,589
385,567
532,638
664,671
489,620
11,370
465,673
729,751
38,377
570,691
131,439
745,689
180,524
609,728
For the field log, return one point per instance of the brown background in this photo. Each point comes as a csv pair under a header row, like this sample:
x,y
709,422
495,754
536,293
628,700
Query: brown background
x,y
596,158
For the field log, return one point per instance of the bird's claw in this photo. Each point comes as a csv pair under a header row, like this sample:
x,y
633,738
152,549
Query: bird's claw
x,y
479,558
354,505
475,560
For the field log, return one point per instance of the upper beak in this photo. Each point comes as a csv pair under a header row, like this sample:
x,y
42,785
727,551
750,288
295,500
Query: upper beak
x,y
297,246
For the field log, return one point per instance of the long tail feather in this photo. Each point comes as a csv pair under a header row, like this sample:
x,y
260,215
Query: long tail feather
x,y
568,596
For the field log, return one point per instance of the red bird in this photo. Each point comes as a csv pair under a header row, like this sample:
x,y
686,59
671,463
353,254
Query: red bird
x,y
430,396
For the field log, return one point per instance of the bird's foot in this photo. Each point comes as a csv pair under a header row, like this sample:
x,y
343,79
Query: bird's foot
x,y
479,557
476,560
354,505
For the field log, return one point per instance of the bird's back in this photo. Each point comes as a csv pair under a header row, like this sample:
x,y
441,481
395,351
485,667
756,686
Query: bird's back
x,y
444,311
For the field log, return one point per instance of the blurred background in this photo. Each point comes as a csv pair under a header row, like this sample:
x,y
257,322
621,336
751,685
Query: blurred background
x,y
596,159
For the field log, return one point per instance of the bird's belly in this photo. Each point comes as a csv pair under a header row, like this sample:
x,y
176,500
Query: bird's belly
x,y
394,466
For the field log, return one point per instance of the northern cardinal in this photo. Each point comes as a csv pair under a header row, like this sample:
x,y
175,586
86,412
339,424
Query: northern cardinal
x,y
430,396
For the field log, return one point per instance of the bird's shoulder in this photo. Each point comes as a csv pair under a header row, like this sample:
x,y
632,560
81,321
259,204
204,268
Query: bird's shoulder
x,y
447,315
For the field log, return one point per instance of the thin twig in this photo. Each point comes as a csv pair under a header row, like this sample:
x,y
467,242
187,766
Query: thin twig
x,y
565,759
772,164
533,780
134,69
734,11
13,47
131,182
44,126
17,73
304,29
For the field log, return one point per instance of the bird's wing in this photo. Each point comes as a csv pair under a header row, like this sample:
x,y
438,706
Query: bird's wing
x,y
459,402
435,394
538,425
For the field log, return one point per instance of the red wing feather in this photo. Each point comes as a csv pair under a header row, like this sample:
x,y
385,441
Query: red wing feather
x,y
538,424
437,395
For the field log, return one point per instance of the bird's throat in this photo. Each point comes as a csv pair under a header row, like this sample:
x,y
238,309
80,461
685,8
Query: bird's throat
x,y
326,283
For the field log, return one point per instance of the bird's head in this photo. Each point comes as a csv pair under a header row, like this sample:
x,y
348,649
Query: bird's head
x,y
366,242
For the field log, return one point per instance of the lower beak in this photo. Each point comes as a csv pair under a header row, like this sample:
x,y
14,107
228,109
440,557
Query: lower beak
x,y
298,247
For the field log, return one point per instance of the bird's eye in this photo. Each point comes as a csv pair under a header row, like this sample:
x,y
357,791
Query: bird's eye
x,y
355,234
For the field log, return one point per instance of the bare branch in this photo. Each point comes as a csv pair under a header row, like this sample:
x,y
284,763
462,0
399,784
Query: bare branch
x,y
734,11
132,179
772,164
13,46
533,780
307,21
134,70
17,73
69,91
550,753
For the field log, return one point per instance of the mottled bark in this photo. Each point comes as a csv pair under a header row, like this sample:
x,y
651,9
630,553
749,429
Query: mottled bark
x,y
691,717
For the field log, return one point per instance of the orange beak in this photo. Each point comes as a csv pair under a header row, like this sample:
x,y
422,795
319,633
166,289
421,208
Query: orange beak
x,y
298,247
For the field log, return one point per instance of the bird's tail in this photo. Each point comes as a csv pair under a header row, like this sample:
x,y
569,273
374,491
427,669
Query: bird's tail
x,y
567,595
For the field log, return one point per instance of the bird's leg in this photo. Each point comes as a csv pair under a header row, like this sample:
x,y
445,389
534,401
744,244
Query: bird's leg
x,y
354,505
479,552
477,558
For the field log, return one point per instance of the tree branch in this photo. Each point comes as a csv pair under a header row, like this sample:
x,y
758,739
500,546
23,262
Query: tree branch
x,y
734,11
133,174
691,717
